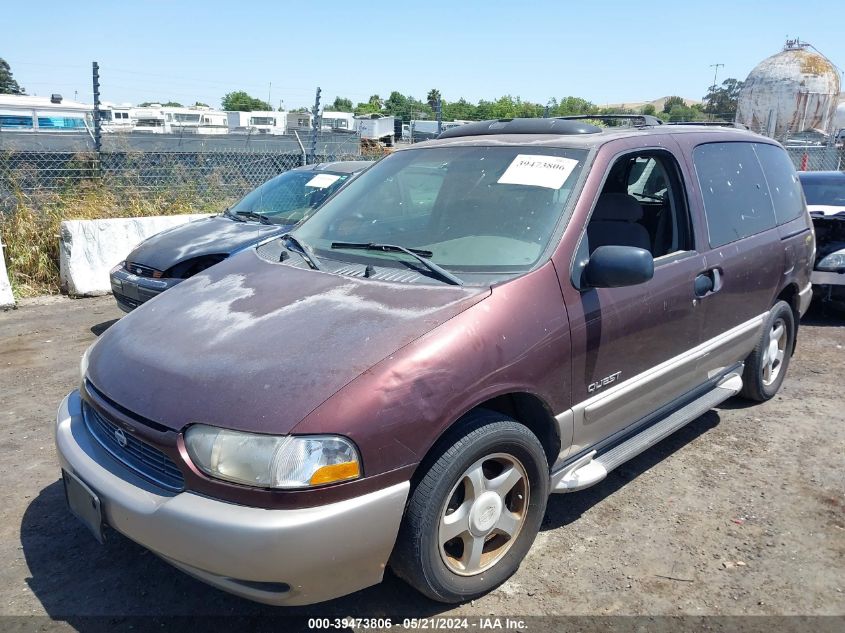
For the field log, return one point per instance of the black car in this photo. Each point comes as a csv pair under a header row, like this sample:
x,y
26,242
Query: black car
x,y
167,258
825,193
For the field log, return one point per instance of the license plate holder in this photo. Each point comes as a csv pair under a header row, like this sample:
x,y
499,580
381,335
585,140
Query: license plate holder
x,y
84,504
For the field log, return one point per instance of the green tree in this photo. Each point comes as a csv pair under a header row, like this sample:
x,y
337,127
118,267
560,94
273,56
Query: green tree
x,y
685,113
172,104
397,105
671,102
200,104
460,109
372,106
433,97
573,105
648,109
721,101
341,105
8,85
240,101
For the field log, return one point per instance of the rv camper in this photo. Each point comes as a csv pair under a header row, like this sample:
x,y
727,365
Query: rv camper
x,y
149,119
298,121
257,122
338,121
44,114
195,120
116,118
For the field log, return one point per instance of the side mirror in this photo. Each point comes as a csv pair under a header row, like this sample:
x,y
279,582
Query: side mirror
x,y
617,266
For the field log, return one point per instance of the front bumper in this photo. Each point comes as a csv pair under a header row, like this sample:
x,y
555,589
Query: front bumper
x,y
827,278
282,557
130,290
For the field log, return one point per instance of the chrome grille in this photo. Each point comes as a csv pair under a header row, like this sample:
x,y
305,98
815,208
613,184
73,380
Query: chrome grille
x,y
147,461
142,271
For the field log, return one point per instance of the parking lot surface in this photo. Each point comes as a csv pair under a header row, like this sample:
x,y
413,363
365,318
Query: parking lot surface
x,y
741,512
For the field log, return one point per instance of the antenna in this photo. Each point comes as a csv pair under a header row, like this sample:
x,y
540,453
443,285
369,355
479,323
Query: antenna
x,y
716,72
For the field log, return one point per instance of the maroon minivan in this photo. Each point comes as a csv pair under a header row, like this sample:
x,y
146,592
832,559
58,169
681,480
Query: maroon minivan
x,y
509,311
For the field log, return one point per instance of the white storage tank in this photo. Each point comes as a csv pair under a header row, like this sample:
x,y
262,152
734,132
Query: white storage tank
x,y
793,91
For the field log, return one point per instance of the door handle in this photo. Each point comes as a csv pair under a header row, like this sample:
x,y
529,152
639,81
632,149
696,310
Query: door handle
x,y
708,282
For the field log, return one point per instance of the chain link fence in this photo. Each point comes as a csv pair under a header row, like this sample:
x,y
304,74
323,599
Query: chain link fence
x,y
227,166
815,158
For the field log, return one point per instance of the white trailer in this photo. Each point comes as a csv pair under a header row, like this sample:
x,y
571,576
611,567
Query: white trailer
x,y
23,113
337,121
298,121
257,122
116,118
196,120
149,119
376,128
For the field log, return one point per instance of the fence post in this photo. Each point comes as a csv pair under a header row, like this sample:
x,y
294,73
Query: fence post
x,y
95,68
438,110
315,125
301,147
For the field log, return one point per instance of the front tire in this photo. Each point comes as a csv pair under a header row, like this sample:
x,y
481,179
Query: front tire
x,y
475,513
765,367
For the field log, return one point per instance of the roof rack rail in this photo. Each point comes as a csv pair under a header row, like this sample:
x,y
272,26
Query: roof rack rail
x,y
521,126
734,124
637,120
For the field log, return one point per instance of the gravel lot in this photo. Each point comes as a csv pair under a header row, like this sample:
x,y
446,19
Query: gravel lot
x,y
741,512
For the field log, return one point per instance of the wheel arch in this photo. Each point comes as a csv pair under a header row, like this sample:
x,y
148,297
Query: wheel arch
x,y
791,295
525,408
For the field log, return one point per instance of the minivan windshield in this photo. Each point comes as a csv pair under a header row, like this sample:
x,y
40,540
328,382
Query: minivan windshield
x,y
289,197
471,208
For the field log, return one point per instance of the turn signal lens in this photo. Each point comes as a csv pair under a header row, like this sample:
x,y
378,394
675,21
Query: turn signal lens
x,y
335,472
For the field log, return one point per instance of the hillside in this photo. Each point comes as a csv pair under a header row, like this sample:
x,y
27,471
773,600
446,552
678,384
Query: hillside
x,y
636,105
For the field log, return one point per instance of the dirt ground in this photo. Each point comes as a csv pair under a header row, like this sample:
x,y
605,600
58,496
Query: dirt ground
x,y
741,512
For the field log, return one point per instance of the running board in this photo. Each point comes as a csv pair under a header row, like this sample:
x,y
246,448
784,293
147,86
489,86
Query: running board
x,y
589,469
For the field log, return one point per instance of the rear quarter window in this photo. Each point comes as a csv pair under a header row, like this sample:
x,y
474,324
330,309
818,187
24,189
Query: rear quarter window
x,y
736,195
784,186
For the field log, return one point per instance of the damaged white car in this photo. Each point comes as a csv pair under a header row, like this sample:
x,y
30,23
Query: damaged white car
x,y
825,193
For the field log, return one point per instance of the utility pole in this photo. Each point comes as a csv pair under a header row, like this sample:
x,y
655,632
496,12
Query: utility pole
x,y
95,67
715,68
269,93
315,126
438,111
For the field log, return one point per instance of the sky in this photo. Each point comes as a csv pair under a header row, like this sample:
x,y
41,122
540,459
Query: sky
x,y
608,52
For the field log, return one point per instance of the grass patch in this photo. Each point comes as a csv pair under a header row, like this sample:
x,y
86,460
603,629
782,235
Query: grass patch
x,y
29,227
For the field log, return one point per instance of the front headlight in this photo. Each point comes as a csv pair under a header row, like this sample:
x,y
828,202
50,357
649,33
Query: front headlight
x,y
833,262
272,461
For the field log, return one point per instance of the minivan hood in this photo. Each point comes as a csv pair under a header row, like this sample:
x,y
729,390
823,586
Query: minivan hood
x,y
209,236
255,346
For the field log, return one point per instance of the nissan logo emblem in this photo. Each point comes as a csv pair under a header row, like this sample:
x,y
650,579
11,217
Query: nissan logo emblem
x,y
138,271
120,437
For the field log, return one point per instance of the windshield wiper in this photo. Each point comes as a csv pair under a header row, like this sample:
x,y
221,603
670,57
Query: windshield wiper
x,y
252,215
287,237
418,254
232,216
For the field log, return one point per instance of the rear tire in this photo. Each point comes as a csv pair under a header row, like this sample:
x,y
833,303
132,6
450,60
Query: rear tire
x,y
765,367
474,514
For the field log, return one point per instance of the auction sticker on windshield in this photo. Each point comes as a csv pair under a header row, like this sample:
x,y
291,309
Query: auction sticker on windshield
x,y
321,181
538,170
